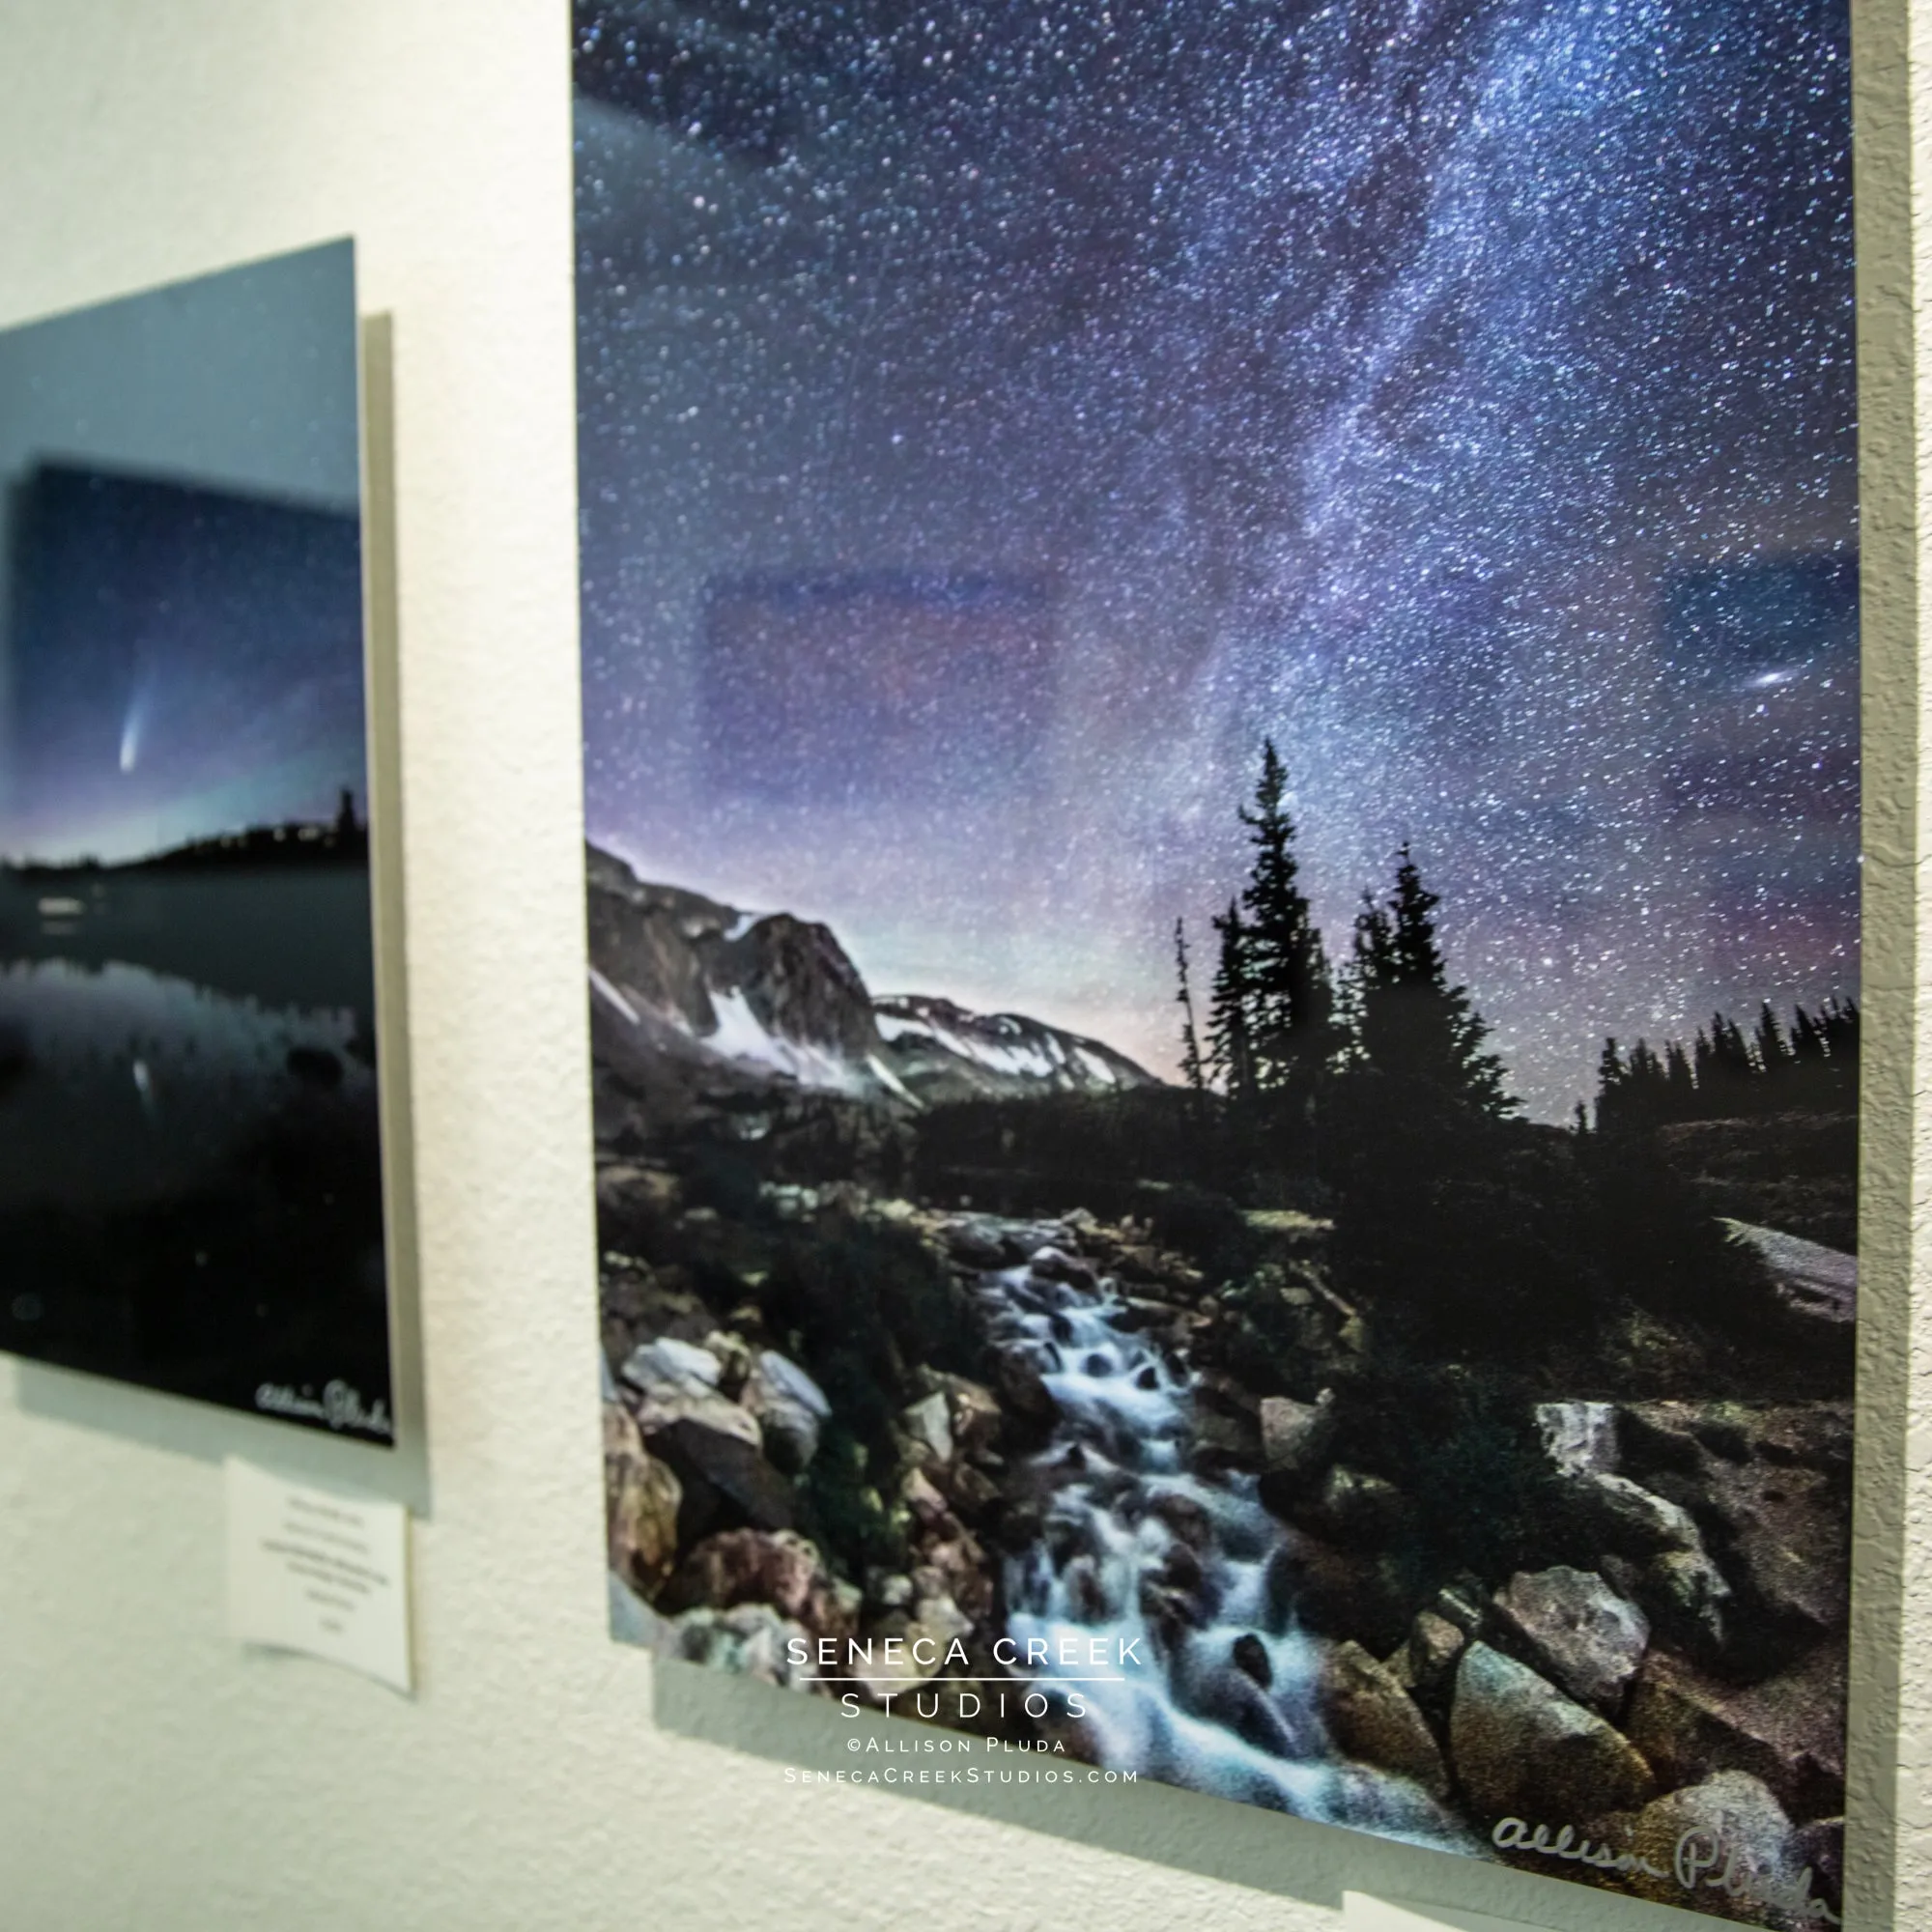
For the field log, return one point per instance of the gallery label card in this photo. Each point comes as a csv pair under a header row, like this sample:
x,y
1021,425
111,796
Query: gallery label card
x,y
314,1570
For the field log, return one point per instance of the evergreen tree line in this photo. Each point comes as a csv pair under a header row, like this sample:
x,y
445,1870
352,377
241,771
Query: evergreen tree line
x,y
1282,1025
1370,1090
1810,1067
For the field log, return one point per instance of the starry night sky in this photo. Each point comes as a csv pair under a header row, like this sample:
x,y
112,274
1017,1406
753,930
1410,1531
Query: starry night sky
x,y
996,420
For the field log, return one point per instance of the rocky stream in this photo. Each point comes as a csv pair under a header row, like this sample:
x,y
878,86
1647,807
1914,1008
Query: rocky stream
x,y
1671,1666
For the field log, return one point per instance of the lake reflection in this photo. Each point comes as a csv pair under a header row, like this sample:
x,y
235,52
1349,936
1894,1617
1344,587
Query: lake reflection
x,y
190,1179
127,1085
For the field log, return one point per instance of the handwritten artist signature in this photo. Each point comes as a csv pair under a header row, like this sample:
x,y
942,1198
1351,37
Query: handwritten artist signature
x,y
1701,1860
340,1405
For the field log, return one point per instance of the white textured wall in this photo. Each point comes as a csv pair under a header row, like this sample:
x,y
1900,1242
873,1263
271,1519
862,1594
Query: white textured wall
x,y
153,1775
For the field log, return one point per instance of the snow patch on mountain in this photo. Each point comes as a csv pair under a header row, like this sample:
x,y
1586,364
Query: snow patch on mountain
x,y
997,1053
740,1035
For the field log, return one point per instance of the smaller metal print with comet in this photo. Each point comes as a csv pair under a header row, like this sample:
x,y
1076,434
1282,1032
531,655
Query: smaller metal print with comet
x,y
191,1172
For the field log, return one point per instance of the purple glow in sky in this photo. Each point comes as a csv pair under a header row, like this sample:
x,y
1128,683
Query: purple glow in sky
x,y
1462,395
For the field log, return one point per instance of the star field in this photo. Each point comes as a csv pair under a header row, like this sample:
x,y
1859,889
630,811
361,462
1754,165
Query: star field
x,y
1461,394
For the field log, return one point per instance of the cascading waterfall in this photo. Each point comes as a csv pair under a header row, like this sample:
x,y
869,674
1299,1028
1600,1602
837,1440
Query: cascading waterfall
x,y
1143,1544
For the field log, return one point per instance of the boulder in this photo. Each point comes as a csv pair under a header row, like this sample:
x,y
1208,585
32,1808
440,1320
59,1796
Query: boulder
x,y
1787,1731
721,1466
1726,1848
1687,1597
1295,1436
1228,1433
1463,1604
956,1567
1524,1749
1169,1613
1353,1508
1053,1264
642,1499
1425,1662
1250,1655
1337,1594
925,1501
1223,1689
671,1367
1770,1485
708,1409
1021,1383
733,1355
1683,1593
923,1639
980,1242
666,1404
1820,1847
1576,1631
1786,1541
930,1428
973,1412
969,1489
748,1566
1371,1718
941,1619
890,1589
790,1408
749,1640
1614,1513
1185,1516
653,1300
650,1189
889,1673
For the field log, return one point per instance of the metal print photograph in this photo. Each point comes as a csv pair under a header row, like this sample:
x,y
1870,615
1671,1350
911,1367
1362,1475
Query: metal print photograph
x,y
1221,695
191,1172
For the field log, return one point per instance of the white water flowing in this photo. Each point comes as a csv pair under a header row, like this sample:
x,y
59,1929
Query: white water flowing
x,y
1132,1529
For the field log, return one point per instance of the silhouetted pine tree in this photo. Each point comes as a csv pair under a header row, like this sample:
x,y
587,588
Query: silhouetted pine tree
x,y
1733,1065
1704,1066
1231,1054
1413,1027
1191,1069
1773,1056
1455,1221
1680,1084
1807,1042
1838,1027
1612,1079
1291,1021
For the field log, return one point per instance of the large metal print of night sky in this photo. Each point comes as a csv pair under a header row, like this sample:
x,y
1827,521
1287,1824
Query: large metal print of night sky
x,y
190,1164
1221,670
